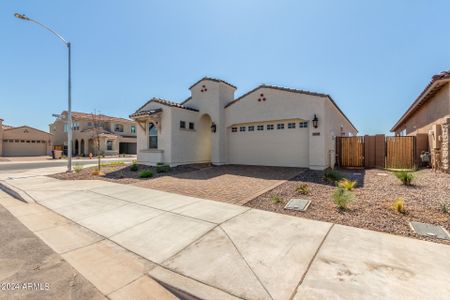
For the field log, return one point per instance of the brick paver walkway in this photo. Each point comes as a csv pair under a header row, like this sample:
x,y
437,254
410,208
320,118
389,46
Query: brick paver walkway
x,y
231,183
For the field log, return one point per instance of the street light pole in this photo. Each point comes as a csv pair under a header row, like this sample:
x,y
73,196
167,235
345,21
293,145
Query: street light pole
x,y
69,95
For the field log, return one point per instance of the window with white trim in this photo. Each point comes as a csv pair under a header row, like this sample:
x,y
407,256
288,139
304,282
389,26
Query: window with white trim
x,y
152,136
303,124
260,127
280,126
251,128
242,128
182,124
233,129
270,127
291,125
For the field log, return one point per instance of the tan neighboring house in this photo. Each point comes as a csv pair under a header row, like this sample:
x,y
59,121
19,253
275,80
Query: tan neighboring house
x,y
269,125
430,114
24,141
117,135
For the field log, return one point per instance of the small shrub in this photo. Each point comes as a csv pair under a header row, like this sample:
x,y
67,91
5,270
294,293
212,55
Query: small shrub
x,y
112,164
160,164
134,166
342,198
162,168
332,175
405,177
347,184
276,199
146,174
77,168
445,206
399,205
302,189
97,172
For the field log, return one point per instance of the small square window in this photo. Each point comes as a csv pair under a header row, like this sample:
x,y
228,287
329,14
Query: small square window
x,y
280,126
242,128
260,127
233,129
303,125
133,129
182,124
251,128
291,125
270,127
191,126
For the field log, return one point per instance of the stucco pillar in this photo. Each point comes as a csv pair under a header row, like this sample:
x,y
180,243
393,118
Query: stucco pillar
x,y
1,137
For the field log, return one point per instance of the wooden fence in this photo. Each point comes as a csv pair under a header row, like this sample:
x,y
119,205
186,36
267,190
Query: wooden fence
x,y
378,151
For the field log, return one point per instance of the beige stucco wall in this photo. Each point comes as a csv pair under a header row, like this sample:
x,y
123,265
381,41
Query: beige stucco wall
x,y
26,141
1,137
435,111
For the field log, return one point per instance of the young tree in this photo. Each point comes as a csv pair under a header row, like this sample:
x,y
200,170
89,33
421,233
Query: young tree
x,y
97,126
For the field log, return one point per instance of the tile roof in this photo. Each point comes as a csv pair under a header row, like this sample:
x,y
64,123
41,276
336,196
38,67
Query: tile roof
x,y
146,112
292,90
213,79
165,102
436,83
4,126
83,116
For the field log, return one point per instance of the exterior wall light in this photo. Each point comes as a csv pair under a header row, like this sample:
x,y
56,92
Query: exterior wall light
x,y
213,127
315,121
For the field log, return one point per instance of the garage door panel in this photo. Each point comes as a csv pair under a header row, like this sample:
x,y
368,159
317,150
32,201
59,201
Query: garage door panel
x,y
24,149
285,147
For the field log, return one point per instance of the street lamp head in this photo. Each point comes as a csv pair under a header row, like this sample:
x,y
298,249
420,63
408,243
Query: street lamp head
x,y
21,16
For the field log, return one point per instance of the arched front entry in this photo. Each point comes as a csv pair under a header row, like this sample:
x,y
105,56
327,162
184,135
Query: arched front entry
x,y
82,150
205,135
77,148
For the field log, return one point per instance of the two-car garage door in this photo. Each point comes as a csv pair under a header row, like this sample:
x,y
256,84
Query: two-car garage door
x,y
24,148
269,146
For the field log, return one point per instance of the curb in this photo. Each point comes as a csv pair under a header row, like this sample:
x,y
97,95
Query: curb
x,y
15,192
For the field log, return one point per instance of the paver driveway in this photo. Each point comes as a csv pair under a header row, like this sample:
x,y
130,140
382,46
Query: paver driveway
x,y
230,183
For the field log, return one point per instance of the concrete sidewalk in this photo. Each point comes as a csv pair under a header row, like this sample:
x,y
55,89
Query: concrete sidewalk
x,y
215,250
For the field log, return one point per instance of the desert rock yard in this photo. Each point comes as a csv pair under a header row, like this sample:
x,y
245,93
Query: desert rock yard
x,y
372,208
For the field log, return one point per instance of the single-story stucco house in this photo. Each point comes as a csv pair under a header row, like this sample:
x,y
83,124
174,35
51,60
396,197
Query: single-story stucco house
x,y
429,114
24,141
269,125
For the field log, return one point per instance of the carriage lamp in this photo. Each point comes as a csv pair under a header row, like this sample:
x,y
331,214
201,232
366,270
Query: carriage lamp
x,y
213,127
315,121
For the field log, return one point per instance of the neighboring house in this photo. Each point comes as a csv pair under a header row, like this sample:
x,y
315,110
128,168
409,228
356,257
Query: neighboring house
x,y
24,141
117,135
430,114
268,125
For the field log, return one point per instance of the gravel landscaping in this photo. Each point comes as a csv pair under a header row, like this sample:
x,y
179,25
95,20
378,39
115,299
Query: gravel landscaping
x,y
375,195
123,173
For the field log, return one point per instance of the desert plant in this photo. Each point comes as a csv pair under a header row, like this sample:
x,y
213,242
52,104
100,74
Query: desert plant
x,y
405,177
113,163
347,184
162,168
146,174
275,199
332,175
399,205
445,206
302,189
134,166
77,168
342,198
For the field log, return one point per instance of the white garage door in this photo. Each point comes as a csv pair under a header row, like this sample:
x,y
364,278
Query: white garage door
x,y
24,148
280,146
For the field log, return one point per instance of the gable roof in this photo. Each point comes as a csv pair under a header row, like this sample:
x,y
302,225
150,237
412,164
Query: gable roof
x,y
167,103
434,86
88,116
28,127
291,90
4,126
213,79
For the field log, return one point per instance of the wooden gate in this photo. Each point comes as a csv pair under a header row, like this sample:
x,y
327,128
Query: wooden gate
x,y
400,152
351,151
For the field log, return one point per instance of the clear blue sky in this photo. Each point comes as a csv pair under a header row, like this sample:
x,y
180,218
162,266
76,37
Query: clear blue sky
x,y
372,57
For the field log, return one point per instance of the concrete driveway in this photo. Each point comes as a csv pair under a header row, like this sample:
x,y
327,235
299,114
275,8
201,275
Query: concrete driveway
x,y
216,250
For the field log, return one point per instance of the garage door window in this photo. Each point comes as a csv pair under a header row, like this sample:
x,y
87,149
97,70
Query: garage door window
x,y
270,127
260,127
251,128
242,129
280,126
303,125
233,129
291,125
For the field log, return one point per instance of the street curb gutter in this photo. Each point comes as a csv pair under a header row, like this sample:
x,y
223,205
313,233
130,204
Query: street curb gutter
x,y
15,192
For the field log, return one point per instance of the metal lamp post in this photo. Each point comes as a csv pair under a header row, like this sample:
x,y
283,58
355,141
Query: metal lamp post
x,y
69,95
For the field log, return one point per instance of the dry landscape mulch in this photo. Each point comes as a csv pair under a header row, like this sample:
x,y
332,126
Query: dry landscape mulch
x,y
123,174
375,195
